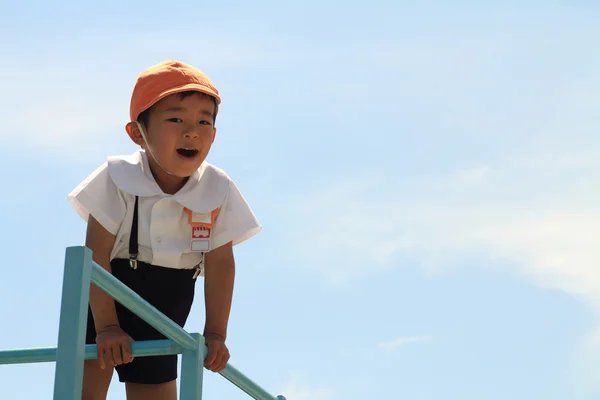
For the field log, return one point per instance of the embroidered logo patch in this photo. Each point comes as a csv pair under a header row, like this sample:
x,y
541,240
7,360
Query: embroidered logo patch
x,y
200,239
200,232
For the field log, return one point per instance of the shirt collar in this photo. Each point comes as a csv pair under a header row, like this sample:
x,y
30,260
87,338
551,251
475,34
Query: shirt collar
x,y
204,191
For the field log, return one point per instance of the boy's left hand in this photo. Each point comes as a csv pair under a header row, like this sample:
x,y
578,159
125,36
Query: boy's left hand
x,y
218,354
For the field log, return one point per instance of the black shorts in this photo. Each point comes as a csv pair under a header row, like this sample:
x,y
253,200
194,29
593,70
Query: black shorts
x,y
171,291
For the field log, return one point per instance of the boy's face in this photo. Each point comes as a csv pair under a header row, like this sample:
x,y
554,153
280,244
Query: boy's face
x,y
180,133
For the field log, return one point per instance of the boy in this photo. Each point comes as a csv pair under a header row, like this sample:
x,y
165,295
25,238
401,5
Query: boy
x,y
156,220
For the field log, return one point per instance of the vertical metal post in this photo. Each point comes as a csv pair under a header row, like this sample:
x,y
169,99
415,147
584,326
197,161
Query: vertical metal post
x,y
68,378
192,368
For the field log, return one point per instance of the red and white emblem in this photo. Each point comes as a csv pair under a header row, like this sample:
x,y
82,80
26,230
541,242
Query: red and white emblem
x,y
200,240
200,232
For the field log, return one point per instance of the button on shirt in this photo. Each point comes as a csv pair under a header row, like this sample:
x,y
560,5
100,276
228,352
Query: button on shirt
x,y
164,230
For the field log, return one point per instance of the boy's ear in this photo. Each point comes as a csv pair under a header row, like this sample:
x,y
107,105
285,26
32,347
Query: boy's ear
x,y
134,133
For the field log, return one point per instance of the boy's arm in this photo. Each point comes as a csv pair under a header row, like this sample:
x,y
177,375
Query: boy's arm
x,y
101,242
113,345
219,276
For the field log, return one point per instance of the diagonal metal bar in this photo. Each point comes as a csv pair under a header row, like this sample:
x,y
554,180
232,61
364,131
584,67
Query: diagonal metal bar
x,y
124,295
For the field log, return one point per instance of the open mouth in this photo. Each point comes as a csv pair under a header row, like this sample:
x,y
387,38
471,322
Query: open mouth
x,y
189,153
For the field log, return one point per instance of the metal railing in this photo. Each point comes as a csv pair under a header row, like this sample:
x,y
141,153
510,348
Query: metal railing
x,y
71,351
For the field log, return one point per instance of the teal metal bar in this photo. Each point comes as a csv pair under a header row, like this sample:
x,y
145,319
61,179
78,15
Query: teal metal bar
x,y
120,292
145,348
192,370
68,378
246,384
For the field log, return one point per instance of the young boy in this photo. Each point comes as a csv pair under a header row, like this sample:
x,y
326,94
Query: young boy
x,y
156,220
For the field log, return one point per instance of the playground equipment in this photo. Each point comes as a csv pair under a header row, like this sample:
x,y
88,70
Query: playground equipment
x,y
71,352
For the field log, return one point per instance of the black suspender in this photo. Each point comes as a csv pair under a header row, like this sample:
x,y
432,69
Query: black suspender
x,y
133,237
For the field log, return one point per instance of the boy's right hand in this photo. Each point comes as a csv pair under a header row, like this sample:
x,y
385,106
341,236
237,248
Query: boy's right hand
x,y
114,346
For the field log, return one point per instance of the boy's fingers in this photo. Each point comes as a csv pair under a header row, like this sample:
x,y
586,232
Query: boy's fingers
x,y
221,357
125,349
100,355
110,357
219,364
210,358
127,357
115,351
224,359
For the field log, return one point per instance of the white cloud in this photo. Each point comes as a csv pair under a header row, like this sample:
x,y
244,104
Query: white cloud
x,y
546,220
298,389
394,344
537,210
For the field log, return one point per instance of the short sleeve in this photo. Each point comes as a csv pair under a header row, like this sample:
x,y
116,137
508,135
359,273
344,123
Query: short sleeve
x,y
99,196
236,222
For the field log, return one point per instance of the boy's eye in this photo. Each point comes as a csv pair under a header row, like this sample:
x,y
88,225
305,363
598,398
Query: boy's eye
x,y
203,122
174,120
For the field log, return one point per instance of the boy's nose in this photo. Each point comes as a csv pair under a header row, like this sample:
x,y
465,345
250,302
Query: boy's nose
x,y
191,133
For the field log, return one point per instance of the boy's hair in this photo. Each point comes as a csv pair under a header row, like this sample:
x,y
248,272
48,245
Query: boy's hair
x,y
145,115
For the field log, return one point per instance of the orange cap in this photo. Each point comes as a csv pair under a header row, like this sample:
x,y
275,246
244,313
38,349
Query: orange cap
x,y
166,78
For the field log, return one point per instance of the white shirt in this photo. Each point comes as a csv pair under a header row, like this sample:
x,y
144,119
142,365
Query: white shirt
x,y
165,235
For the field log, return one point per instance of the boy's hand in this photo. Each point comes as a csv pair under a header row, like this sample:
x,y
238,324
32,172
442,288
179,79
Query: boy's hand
x,y
114,345
218,354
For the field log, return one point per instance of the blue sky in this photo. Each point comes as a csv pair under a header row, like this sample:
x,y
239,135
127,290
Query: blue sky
x,y
426,173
